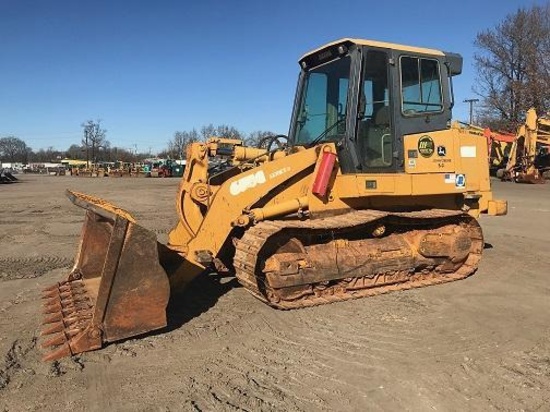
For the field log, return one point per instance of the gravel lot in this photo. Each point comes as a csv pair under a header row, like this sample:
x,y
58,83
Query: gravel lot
x,y
478,344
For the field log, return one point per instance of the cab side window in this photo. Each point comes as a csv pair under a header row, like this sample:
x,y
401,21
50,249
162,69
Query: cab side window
x,y
420,86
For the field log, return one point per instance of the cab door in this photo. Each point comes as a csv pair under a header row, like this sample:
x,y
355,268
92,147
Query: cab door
x,y
375,138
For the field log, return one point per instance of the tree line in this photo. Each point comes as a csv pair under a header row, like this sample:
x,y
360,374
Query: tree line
x,y
95,147
177,145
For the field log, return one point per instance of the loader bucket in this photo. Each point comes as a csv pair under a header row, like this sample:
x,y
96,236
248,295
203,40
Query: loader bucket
x,y
117,288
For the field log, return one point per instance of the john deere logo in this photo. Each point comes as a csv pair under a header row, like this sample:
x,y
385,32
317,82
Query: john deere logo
x,y
426,146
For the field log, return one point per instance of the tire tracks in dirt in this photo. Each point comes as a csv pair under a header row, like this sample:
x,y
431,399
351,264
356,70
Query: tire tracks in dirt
x,y
31,267
270,359
518,381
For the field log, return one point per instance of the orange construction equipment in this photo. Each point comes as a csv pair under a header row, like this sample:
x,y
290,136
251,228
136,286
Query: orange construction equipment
x,y
372,193
499,145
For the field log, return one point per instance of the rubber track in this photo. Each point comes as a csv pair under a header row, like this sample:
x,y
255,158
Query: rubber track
x,y
249,246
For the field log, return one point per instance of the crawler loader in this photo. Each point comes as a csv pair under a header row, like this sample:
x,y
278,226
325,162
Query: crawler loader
x,y
372,191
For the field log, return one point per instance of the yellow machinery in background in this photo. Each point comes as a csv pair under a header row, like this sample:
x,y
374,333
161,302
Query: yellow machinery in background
x,y
371,192
529,158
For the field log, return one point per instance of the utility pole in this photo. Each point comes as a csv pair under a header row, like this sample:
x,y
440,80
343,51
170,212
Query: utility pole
x,y
87,150
93,154
471,102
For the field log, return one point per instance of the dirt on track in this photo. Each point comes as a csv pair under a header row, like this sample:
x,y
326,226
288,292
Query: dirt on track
x,y
478,344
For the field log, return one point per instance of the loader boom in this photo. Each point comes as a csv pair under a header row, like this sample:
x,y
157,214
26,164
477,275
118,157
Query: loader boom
x,y
219,208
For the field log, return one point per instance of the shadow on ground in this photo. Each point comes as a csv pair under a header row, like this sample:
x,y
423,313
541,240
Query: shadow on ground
x,y
197,298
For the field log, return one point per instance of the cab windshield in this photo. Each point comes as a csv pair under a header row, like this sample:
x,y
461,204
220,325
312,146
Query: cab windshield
x,y
322,111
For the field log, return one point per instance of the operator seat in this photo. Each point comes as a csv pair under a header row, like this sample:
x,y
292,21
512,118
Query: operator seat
x,y
377,142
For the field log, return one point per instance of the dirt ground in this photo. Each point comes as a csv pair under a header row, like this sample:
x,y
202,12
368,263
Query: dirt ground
x,y
478,344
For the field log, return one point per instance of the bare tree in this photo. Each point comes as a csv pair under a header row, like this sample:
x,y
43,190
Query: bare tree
x,y
94,139
75,151
513,66
13,149
47,155
123,155
258,137
178,144
222,130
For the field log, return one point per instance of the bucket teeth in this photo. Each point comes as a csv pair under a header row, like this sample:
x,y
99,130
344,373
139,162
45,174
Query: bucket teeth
x,y
75,285
51,288
71,320
58,317
67,304
66,295
79,292
55,341
68,300
53,301
55,328
73,332
51,308
69,312
61,352
50,294
64,291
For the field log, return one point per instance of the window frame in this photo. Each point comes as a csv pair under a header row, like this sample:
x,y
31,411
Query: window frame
x,y
402,100
304,84
388,103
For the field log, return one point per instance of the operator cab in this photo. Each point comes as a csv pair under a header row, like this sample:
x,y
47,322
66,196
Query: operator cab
x,y
366,95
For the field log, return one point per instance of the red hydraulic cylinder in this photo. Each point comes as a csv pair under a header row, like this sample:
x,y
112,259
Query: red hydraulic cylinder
x,y
323,174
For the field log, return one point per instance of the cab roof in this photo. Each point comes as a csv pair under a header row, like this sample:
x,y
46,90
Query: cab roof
x,y
380,44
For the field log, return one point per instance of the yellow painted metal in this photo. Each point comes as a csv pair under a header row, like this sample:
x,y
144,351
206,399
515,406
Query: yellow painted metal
x,y
279,209
497,208
226,202
380,44
244,153
533,131
430,181
97,202
279,185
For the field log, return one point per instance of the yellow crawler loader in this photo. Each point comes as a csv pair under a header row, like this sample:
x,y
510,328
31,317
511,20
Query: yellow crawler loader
x,y
372,191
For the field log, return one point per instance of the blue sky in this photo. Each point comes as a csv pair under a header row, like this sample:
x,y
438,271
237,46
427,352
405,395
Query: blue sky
x,y
147,69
